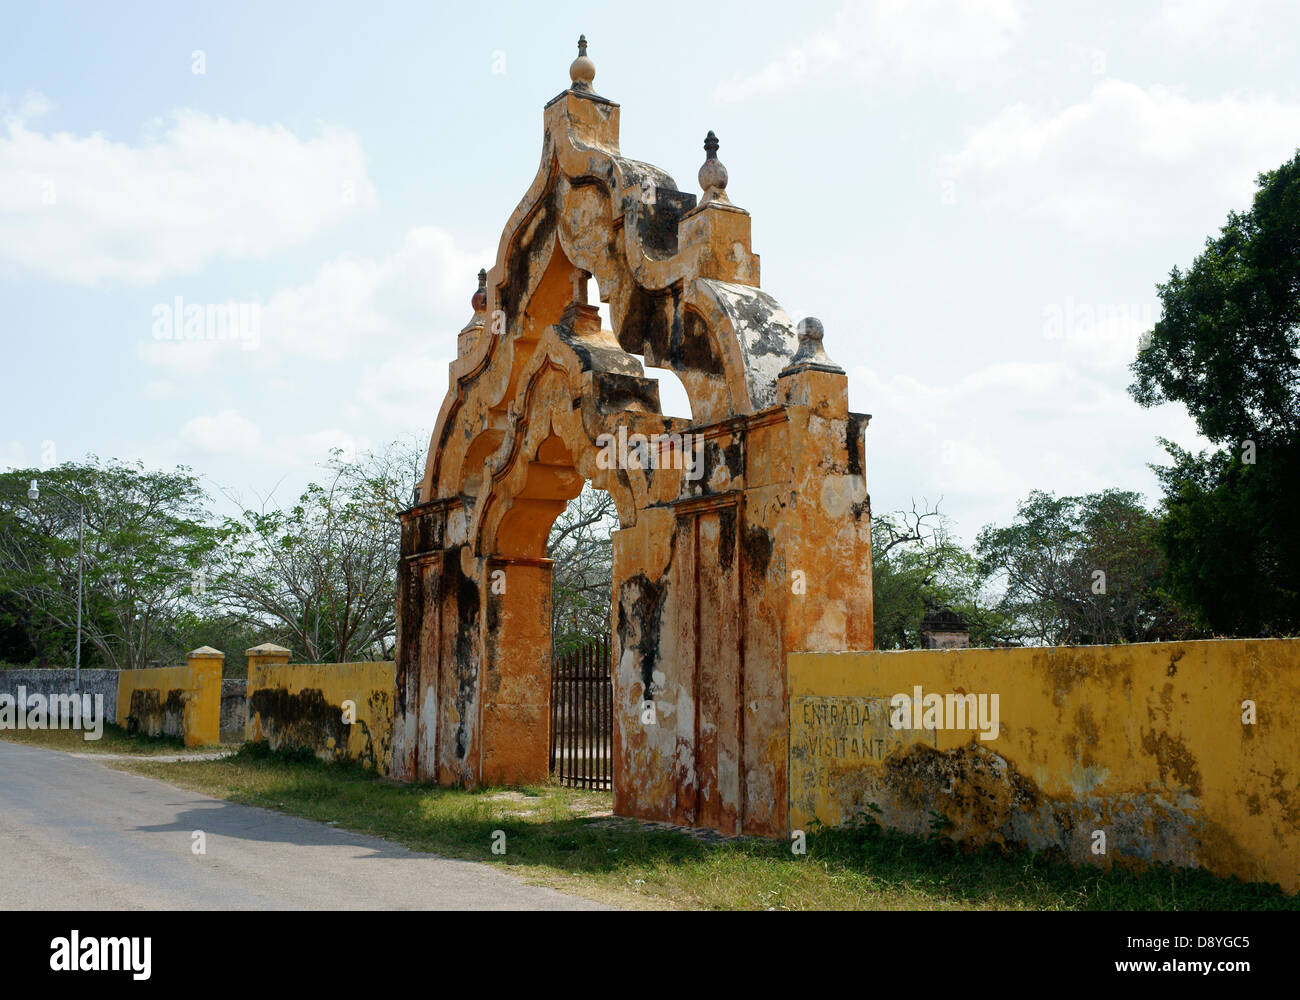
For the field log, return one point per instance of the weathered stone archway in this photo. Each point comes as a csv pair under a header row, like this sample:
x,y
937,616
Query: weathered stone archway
x,y
720,569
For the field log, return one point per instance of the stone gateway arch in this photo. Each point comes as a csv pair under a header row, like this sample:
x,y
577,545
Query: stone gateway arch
x,y
744,531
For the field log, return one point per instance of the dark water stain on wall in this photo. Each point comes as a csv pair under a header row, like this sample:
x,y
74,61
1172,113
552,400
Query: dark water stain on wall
x,y
151,715
974,788
300,721
467,606
640,616
1173,757
758,548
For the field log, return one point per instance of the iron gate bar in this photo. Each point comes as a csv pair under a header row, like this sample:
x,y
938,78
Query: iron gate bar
x,y
582,716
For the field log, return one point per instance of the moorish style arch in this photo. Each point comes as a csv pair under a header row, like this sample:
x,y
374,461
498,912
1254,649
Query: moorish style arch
x,y
744,529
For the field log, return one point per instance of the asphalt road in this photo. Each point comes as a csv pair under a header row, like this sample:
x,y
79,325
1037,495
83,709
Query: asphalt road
x,y
75,834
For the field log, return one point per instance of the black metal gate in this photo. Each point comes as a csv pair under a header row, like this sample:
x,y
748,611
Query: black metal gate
x,y
582,716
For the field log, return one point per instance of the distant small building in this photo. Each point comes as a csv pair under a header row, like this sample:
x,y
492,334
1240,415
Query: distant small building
x,y
944,628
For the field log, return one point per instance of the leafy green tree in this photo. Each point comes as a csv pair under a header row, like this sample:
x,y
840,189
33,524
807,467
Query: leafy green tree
x,y
15,646
146,541
1232,538
917,567
1081,570
1228,348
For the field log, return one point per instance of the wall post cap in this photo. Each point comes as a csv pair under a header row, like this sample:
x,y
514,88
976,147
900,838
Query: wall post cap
x,y
266,647
204,651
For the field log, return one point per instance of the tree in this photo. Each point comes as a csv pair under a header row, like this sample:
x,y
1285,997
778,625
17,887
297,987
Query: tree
x,y
15,643
1228,348
1231,534
917,567
581,548
324,573
1081,570
146,539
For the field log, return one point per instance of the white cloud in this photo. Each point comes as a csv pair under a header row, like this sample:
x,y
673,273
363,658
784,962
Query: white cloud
x,y
13,455
960,41
31,105
180,357
228,439
412,302
1204,23
1128,160
314,449
404,392
986,439
1102,337
87,209
225,432
418,295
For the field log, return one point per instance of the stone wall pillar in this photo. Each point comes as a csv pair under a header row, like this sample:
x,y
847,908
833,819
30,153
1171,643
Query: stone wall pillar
x,y
516,691
826,533
261,659
203,714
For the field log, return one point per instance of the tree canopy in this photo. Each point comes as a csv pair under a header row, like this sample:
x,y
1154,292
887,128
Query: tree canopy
x,y
146,539
1226,347
1081,570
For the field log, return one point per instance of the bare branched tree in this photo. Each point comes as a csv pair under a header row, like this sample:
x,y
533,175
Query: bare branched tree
x,y
324,573
582,550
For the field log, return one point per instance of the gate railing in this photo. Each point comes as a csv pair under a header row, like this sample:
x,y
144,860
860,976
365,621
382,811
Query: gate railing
x,y
582,717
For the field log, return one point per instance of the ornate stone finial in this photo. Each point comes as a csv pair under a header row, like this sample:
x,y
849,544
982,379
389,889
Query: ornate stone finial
x,y
582,70
713,175
811,354
811,341
479,300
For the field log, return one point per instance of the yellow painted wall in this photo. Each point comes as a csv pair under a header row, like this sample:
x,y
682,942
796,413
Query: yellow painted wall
x,y
292,706
1144,742
174,701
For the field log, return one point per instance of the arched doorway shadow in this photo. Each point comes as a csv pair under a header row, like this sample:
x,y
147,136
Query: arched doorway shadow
x,y
518,716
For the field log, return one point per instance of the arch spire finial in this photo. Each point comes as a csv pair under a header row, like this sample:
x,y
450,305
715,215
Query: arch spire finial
x,y
479,299
582,70
713,175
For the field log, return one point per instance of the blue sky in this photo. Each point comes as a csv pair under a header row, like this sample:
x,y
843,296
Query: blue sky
x,y
976,198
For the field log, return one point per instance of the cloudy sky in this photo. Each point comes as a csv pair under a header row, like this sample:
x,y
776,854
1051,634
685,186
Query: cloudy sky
x,y
976,197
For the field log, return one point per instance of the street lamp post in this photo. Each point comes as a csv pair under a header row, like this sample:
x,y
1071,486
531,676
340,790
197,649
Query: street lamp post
x,y
34,494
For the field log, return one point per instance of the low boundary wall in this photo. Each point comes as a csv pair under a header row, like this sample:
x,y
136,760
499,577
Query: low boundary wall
x,y
301,706
1185,752
61,681
183,702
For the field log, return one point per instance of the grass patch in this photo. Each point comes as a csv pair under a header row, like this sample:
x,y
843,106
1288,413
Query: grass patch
x,y
564,838
114,739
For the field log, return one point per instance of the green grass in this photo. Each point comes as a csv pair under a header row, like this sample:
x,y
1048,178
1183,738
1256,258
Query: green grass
x,y
556,837
114,740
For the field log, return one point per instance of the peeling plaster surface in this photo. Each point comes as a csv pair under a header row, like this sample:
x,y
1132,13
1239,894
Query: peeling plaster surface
x,y
767,336
1091,738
